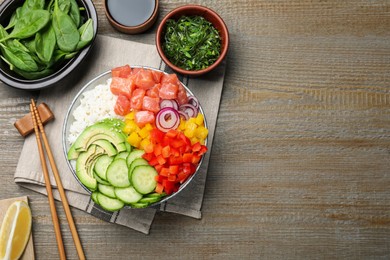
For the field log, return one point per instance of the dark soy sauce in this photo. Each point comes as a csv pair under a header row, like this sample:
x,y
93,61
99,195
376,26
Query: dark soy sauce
x,y
131,12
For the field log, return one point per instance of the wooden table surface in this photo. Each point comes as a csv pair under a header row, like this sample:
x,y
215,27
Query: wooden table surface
x,y
300,166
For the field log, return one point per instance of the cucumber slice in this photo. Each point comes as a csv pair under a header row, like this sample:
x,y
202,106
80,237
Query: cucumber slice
x,y
128,195
107,190
143,179
121,155
101,166
149,200
128,147
99,180
117,174
139,205
108,203
94,196
133,155
137,162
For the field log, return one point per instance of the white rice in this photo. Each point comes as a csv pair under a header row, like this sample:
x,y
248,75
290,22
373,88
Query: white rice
x,y
95,105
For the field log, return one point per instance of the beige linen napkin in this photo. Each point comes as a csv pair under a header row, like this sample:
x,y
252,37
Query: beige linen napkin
x,y
107,53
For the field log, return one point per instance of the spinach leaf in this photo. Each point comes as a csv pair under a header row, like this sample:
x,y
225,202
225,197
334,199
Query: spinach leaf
x,y
29,44
11,66
86,34
19,58
34,74
74,12
33,5
65,30
14,18
29,24
64,5
45,42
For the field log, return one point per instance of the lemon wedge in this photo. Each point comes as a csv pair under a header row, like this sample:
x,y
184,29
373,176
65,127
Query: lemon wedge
x,y
15,230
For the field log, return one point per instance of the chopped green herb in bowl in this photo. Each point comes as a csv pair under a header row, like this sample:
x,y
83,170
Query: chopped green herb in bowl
x,y
192,40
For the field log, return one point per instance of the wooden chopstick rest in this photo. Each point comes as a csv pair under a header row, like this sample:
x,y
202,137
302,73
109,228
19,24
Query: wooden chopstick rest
x,y
25,124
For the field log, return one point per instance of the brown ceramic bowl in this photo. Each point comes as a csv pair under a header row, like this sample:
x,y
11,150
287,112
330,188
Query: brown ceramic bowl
x,y
194,10
119,14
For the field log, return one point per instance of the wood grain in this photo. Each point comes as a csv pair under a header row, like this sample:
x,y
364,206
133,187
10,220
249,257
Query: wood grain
x,y
301,156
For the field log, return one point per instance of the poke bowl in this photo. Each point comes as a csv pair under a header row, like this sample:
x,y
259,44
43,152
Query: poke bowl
x,y
134,137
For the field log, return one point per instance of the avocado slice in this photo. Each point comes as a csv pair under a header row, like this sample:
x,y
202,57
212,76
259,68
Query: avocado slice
x,y
100,131
84,163
107,146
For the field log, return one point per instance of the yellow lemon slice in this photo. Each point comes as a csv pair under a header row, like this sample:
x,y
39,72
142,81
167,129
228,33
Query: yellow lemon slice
x,y
15,230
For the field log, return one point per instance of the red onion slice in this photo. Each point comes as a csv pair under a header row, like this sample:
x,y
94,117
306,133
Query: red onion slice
x,y
167,118
183,115
193,101
169,103
189,109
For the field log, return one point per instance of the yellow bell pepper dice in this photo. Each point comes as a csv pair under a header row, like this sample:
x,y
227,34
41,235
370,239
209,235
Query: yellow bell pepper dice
x,y
130,126
182,125
199,119
144,132
130,116
201,132
190,128
134,139
148,127
144,143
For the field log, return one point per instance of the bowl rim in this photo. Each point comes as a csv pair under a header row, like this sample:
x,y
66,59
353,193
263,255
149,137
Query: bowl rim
x,y
132,29
191,7
76,99
65,69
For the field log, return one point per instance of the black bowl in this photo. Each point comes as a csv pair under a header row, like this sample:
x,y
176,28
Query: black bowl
x,y
12,79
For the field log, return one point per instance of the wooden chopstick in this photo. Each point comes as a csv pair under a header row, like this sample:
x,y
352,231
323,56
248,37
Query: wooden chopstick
x,y
53,209
61,190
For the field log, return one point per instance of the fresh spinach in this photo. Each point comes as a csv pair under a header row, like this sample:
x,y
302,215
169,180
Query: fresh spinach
x,y
19,58
34,74
66,31
74,12
40,36
45,42
29,24
86,34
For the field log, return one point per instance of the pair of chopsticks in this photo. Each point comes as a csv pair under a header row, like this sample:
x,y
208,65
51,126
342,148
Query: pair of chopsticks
x,y
38,127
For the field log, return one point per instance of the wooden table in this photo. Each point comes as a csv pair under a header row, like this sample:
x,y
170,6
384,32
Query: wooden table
x,y
300,166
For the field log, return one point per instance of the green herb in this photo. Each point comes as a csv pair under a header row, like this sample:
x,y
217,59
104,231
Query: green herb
x,y
66,31
41,34
191,42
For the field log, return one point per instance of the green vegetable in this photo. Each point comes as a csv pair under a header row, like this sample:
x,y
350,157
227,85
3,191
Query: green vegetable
x,y
19,58
29,24
74,12
86,34
45,42
191,42
41,34
66,31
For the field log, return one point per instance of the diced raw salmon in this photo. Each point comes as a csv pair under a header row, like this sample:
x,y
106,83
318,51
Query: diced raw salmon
x,y
182,97
136,99
122,71
122,105
143,117
154,92
122,86
168,91
144,79
151,104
